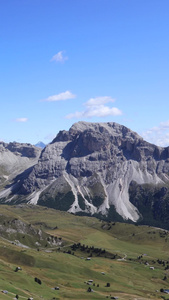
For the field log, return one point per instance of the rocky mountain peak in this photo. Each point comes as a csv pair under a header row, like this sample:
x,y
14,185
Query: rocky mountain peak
x,y
86,138
109,129
89,169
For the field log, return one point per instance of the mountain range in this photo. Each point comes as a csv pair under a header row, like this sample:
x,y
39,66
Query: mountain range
x,y
100,169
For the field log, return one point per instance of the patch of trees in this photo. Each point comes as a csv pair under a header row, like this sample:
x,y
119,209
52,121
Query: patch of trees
x,y
163,233
167,267
91,251
161,262
54,239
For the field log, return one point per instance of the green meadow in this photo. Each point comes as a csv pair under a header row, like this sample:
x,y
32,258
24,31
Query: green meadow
x,y
122,260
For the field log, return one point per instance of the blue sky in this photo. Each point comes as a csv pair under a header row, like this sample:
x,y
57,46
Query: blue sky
x,y
63,61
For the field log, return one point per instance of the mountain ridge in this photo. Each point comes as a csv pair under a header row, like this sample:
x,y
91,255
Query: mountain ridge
x,y
89,169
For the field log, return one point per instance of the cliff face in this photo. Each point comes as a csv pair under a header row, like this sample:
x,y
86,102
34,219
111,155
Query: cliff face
x,y
15,158
90,168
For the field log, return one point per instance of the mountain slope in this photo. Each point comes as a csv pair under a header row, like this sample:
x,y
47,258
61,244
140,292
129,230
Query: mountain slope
x,y
66,241
15,158
89,169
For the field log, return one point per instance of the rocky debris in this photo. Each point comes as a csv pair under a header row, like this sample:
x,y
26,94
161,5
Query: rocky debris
x,y
89,169
21,233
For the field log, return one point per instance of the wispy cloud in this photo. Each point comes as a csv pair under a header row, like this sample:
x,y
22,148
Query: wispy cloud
x,y
60,97
158,135
21,120
95,107
59,57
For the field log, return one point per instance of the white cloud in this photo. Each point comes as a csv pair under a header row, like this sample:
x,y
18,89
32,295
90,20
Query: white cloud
x,y
59,57
158,135
95,107
22,120
99,101
60,97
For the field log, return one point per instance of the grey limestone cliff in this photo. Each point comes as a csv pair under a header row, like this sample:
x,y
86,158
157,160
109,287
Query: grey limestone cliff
x,y
90,168
15,158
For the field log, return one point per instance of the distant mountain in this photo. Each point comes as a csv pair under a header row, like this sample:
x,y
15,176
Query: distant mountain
x,y
15,158
40,145
102,169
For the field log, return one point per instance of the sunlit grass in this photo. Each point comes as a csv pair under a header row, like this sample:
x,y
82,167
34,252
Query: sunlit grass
x,y
129,277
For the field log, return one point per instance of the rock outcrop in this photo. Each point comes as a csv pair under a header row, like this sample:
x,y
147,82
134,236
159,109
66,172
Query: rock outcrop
x,y
15,158
90,168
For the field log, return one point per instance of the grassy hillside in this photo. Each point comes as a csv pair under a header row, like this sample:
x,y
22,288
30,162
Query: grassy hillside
x,y
120,257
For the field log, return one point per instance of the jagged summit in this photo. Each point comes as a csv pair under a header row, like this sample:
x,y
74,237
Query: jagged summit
x,y
90,168
110,128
